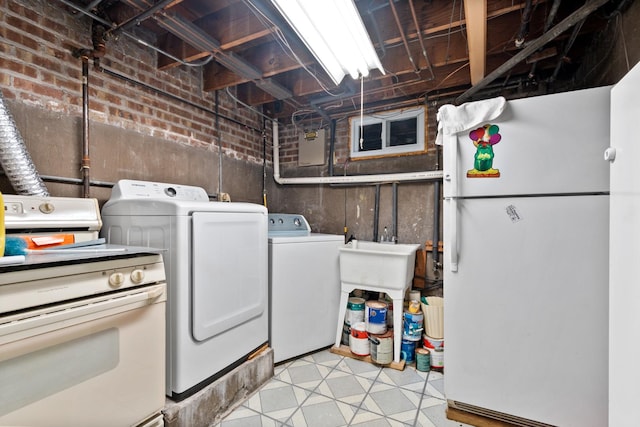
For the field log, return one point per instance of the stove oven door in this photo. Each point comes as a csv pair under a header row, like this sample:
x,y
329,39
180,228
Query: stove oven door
x,y
96,362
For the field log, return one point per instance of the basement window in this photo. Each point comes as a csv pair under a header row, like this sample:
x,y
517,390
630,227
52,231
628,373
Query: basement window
x,y
389,133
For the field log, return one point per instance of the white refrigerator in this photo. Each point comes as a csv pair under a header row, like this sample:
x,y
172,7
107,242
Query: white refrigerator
x,y
526,234
624,273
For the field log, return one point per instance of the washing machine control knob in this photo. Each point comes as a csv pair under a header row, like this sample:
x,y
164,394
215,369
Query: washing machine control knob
x,y
137,276
116,279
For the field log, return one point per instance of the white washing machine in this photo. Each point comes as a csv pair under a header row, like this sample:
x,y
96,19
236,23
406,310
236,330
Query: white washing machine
x,y
304,286
216,262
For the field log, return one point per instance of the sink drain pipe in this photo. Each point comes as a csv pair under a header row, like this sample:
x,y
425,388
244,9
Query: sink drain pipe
x,y
15,159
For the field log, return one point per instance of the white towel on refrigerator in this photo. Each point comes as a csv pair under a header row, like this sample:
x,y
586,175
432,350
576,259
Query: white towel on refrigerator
x,y
454,119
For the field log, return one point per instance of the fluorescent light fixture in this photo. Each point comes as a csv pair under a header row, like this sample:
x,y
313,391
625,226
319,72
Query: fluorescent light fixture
x,y
333,31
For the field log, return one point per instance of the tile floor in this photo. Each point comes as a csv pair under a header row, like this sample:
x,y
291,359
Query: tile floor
x,y
328,390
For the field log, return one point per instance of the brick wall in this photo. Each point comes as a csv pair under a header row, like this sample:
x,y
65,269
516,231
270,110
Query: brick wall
x,y
38,68
289,135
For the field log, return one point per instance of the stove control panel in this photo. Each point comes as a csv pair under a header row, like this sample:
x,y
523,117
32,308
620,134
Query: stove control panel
x,y
39,286
59,213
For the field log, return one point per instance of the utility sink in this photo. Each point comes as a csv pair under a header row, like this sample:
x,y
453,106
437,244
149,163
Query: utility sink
x,y
377,265
381,267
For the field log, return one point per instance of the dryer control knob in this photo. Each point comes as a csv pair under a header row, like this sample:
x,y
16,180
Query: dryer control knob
x,y
137,276
116,280
47,208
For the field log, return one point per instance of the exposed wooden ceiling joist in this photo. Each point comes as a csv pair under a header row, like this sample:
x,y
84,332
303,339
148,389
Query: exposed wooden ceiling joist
x,y
475,13
454,46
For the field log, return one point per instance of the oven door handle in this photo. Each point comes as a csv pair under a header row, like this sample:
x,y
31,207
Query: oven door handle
x,y
64,315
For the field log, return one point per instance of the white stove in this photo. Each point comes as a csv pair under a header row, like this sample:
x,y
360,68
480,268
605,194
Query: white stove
x,y
88,325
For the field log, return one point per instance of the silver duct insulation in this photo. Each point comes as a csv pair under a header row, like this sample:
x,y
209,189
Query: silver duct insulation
x,y
15,159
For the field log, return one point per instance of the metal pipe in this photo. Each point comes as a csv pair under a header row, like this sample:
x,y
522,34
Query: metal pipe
x,y
80,181
246,106
577,16
572,39
66,180
376,32
99,50
132,37
217,130
376,213
332,146
136,19
264,162
552,15
86,162
175,98
15,159
93,5
404,38
419,33
524,25
394,212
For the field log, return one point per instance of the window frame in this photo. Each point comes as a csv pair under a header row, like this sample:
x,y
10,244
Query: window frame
x,y
385,118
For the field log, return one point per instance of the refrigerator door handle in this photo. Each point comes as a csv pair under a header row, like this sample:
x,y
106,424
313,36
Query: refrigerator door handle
x,y
610,154
452,246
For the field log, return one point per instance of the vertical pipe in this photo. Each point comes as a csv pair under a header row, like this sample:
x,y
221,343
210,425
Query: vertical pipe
x,y
376,213
524,25
86,163
264,162
332,145
572,39
419,33
404,38
394,213
217,129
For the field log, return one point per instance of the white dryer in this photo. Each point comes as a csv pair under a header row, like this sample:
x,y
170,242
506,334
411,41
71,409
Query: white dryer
x,y
304,286
216,261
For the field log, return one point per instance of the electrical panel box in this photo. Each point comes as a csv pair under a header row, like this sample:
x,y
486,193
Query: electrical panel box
x,y
311,148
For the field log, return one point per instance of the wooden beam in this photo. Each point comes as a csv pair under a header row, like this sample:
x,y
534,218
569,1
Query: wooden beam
x,y
564,25
233,27
475,13
433,24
